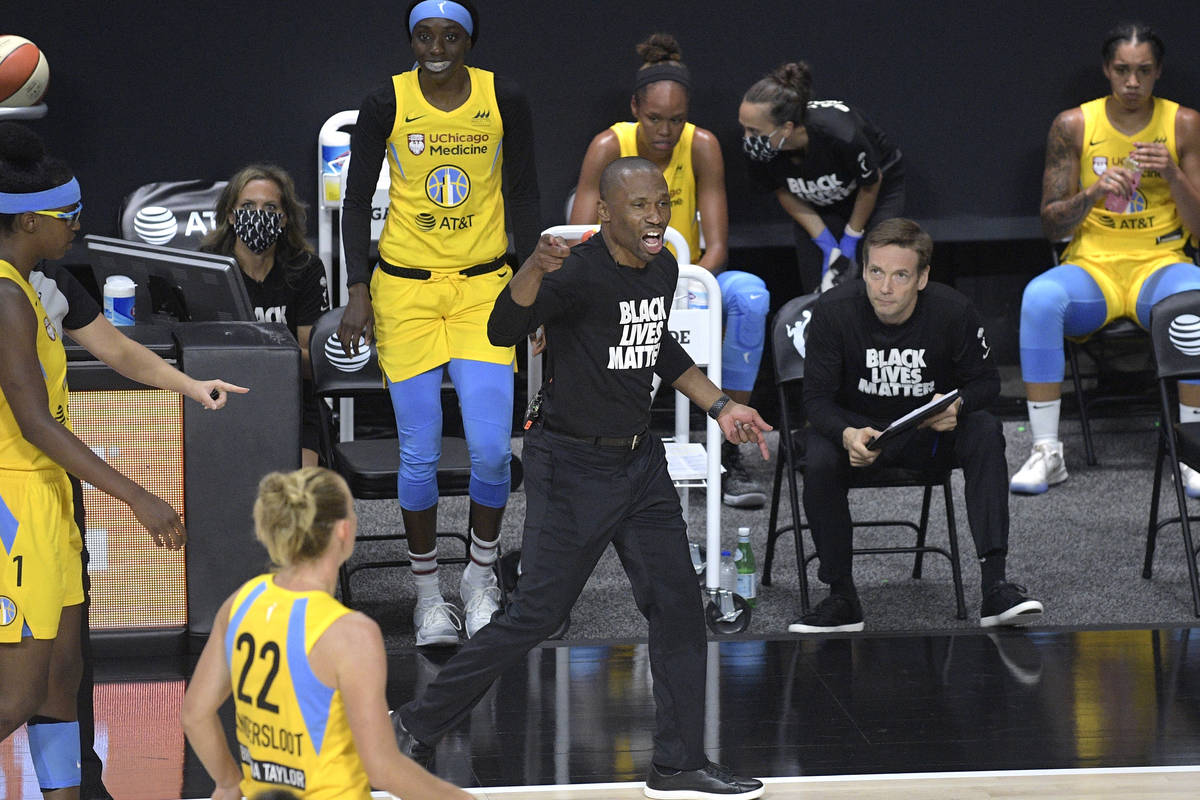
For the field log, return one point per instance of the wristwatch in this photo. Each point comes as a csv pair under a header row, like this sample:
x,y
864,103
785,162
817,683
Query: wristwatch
x,y
714,410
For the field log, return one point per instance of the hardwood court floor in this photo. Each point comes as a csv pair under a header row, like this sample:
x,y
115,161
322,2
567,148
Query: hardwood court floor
x,y
864,715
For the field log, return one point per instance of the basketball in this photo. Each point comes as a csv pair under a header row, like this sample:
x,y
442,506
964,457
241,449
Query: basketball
x,y
24,73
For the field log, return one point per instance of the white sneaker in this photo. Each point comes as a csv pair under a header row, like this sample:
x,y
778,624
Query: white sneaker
x,y
437,623
1043,469
1191,480
480,602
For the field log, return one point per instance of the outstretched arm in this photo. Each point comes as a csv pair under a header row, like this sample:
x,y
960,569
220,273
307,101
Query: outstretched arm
x,y
739,423
137,363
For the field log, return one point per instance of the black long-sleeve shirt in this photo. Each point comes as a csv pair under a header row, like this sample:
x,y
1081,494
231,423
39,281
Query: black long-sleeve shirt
x,y
368,146
606,333
861,372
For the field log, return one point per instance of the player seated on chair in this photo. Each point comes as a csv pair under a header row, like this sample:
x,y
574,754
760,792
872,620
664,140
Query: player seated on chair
x,y
1122,180
690,158
877,349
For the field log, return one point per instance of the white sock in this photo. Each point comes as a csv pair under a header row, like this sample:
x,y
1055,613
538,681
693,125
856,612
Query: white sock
x,y
1189,413
1043,420
483,556
425,575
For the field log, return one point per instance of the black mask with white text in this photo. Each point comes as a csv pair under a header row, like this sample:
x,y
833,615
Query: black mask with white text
x,y
257,228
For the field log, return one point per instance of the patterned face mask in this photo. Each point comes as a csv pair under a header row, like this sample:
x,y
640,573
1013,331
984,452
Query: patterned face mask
x,y
759,146
257,227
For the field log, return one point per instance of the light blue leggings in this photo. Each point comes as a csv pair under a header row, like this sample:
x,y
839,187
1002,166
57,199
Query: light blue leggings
x,y
744,304
485,395
1067,301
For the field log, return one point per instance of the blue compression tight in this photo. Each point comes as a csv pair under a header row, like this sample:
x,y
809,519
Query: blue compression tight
x,y
1067,301
744,303
54,750
485,395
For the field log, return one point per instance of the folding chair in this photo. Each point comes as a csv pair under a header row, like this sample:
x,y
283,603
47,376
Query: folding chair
x,y
788,343
370,466
1175,333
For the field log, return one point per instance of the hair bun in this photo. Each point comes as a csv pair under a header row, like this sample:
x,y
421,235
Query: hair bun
x,y
20,146
660,47
795,75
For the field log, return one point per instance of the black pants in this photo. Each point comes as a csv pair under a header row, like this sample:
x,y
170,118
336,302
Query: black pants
x,y
809,258
580,497
91,784
976,445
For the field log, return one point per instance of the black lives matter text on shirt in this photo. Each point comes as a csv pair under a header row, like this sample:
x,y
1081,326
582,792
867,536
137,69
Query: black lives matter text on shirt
x,y
606,335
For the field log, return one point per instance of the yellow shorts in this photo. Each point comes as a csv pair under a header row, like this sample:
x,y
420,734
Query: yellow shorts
x,y
1121,275
420,325
40,568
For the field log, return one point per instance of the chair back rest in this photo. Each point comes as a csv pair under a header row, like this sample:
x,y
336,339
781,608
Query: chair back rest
x,y
172,213
334,373
788,337
1175,332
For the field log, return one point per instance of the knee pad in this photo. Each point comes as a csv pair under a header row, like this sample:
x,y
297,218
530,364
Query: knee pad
x,y
746,301
54,749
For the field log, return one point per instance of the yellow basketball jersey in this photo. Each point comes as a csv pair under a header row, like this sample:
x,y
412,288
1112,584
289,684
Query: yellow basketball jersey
x,y
681,181
291,728
446,211
1149,227
15,451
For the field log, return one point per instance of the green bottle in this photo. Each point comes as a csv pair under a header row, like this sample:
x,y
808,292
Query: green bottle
x,y
747,579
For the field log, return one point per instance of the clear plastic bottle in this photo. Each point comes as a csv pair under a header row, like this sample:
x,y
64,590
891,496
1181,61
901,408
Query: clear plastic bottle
x,y
747,570
728,573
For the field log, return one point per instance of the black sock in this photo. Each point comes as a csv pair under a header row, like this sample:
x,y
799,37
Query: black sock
x,y
992,570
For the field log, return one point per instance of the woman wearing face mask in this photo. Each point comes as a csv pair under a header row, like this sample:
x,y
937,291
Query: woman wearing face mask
x,y
260,222
834,172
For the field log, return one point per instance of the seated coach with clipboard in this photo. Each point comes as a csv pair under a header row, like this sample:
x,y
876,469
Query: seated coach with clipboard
x,y
878,350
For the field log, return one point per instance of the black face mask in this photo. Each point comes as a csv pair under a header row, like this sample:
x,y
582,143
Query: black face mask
x,y
257,227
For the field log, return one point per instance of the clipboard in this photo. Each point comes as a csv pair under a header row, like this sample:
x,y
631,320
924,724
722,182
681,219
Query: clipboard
x,y
912,419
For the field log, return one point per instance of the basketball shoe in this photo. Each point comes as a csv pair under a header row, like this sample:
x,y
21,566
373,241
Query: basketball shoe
x,y
480,601
1191,480
1044,468
437,623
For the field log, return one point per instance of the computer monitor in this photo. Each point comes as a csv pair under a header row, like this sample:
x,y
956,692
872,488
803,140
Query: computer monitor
x,y
182,285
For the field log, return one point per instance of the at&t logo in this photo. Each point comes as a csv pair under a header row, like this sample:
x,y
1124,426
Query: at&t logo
x,y
448,186
158,225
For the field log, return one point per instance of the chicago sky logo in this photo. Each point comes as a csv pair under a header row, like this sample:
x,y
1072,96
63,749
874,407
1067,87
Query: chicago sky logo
x,y
448,186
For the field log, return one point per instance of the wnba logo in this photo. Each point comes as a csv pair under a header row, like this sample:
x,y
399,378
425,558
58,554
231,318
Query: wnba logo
x,y
448,186
8,611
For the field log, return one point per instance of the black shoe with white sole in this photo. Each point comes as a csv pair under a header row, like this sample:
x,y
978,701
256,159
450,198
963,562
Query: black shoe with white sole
x,y
835,614
1006,604
711,781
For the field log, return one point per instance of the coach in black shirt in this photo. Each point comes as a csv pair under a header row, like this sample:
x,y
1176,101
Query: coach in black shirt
x,y
877,349
595,475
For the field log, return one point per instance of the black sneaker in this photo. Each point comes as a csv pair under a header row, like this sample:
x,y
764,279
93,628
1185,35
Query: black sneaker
x,y
410,745
712,780
1006,604
834,614
738,489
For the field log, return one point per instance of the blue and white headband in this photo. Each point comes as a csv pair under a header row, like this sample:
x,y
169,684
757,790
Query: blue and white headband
x,y
441,9
66,194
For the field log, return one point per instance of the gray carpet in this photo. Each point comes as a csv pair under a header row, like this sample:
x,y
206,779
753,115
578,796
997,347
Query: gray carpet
x,y
1077,548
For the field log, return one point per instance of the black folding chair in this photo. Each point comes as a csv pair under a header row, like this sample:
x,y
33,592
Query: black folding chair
x,y
369,466
788,342
1175,333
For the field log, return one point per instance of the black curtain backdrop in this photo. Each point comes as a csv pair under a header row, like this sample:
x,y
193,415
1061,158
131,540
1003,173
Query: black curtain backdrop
x,y
145,91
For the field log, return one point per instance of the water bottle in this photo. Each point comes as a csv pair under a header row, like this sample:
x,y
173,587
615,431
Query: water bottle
x,y
747,574
729,573
697,294
1119,204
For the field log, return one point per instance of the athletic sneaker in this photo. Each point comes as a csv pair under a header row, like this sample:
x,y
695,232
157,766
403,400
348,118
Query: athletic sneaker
x,y
480,602
738,489
1043,469
1006,604
712,780
1191,480
410,745
437,623
834,614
